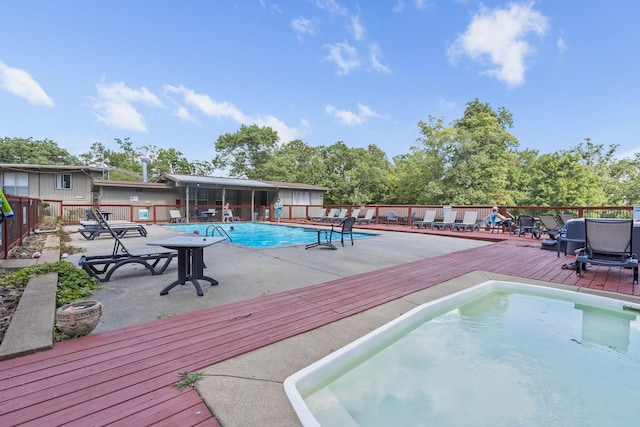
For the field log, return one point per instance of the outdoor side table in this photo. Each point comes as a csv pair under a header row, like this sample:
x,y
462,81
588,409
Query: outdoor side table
x,y
190,259
319,242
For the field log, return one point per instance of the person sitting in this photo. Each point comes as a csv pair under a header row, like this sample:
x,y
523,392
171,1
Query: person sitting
x,y
496,219
227,215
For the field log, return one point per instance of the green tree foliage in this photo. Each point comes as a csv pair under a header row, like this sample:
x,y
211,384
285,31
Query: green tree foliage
x,y
296,162
35,152
355,175
246,152
126,163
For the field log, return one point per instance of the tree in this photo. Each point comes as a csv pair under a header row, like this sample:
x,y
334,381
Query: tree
x,y
38,152
246,152
296,162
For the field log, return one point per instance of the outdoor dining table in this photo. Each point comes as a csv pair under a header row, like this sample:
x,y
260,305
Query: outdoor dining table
x,y
190,259
319,242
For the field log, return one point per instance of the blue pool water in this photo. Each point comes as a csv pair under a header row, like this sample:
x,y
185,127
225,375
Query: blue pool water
x,y
257,235
498,354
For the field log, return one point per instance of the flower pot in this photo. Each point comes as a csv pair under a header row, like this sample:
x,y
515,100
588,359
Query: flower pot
x,y
78,317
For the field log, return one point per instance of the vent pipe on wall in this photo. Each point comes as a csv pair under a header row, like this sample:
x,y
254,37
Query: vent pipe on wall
x,y
145,161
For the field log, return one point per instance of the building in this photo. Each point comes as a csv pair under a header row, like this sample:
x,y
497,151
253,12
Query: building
x,y
68,190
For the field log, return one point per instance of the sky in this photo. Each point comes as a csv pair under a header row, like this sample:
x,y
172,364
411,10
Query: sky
x,y
179,74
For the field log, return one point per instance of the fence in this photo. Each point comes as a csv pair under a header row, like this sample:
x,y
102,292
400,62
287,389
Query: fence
x,y
27,212
15,229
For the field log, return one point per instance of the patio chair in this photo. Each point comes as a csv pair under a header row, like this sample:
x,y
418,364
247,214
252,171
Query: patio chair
x,y
368,218
392,217
566,217
175,216
447,221
527,224
345,229
102,267
609,242
427,221
468,222
553,228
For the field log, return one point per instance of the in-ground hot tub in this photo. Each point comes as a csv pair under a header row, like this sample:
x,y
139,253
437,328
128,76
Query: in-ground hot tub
x,y
498,354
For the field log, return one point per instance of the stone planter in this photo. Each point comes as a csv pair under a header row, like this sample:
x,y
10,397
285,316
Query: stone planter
x,y
78,317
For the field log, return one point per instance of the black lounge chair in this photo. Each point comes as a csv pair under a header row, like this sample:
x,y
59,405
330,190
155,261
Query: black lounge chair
x,y
346,228
553,228
609,242
103,266
95,227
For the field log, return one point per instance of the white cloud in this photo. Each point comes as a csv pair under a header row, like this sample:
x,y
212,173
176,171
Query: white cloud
x,y
374,53
345,57
114,105
208,106
561,45
499,37
357,28
20,83
226,110
303,26
351,118
331,6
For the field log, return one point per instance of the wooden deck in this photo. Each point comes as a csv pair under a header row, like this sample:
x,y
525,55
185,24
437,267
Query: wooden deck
x,y
124,377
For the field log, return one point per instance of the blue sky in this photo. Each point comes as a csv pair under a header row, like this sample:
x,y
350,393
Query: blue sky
x,y
178,74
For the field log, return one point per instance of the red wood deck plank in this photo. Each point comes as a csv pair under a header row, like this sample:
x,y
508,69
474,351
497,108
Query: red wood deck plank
x,y
127,374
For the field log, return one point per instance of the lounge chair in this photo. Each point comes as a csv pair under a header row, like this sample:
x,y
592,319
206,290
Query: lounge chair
x,y
318,218
528,225
93,228
468,222
175,216
553,228
368,218
340,217
356,213
427,221
609,242
331,215
103,266
345,229
90,232
566,217
448,221
392,217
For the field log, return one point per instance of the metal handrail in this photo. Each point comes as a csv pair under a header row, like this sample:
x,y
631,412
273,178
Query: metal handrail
x,y
214,228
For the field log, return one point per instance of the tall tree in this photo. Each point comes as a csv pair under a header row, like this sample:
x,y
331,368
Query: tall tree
x,y
35,152
246,152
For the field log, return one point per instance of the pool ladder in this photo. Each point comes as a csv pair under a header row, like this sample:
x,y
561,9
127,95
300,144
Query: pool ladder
x,y
219,229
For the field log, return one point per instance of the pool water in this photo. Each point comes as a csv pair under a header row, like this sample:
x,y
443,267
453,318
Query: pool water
x,y
516,355
259,235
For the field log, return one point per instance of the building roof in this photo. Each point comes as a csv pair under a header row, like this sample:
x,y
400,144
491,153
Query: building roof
x,y
131,184
35,168
190,180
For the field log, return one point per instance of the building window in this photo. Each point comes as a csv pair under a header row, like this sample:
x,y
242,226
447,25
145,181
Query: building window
x,y
301,198
63,181
16,183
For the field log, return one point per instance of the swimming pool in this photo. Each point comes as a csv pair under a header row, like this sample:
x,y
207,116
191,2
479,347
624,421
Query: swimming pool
x,y
258,235
498,354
